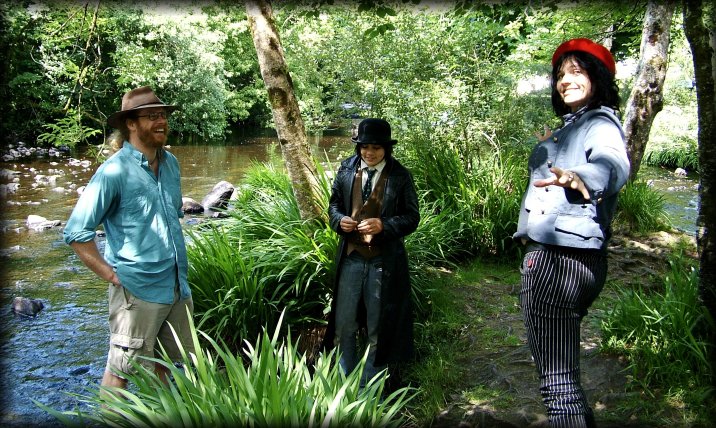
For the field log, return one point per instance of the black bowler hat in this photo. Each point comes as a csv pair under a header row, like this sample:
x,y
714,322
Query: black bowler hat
x,y
373,131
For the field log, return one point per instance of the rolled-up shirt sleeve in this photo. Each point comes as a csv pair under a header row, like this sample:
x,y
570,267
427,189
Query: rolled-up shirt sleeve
x,y
93,205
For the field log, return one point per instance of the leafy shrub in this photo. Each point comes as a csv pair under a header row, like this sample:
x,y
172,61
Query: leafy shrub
x,y
276,388
681,153
664,334
67,130
640,208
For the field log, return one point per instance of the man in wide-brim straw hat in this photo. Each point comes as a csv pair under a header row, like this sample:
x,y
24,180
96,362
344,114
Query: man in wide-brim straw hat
x,y
136,195
373,206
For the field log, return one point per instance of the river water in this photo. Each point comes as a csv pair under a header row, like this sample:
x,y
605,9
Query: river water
x,y
62,351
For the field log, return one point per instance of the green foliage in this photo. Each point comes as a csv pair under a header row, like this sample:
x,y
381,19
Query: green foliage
x,y
67,131
666,333
60,57
456,69
260,261
681,152
276,387
229,297
640,209
479,189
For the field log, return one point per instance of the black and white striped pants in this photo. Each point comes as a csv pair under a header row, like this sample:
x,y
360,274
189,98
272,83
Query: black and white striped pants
x,y
558,285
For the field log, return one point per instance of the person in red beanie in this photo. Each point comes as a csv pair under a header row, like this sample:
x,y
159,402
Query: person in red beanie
x,y
575,174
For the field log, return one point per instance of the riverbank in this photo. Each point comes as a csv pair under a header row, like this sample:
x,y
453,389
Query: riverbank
x,y
61,350
489,378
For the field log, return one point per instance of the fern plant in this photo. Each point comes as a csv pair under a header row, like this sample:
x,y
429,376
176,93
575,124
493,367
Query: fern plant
x,y
67,131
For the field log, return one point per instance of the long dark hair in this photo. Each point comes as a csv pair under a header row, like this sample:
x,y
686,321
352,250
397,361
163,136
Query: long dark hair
x,y
605,89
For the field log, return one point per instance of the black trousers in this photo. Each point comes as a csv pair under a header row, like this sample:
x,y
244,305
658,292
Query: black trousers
x,y
558,285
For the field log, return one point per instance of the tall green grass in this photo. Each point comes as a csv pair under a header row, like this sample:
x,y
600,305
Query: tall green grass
x,y
261,260
275,388
681,153
480,187
640,209
231,300
666,333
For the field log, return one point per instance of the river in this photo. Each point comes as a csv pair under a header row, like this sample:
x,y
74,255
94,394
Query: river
x,y
61,352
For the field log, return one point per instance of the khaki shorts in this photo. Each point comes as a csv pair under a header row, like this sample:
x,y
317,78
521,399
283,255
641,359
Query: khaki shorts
x,y
137,327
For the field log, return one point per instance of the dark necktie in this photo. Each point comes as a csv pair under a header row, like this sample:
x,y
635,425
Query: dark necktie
x,y
368,188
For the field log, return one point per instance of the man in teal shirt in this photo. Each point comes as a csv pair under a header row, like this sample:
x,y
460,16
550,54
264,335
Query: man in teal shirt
x,y
136,196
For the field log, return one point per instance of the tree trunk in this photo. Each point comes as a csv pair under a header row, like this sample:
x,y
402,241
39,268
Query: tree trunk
x,y
647,95
700,29
84,68
286,113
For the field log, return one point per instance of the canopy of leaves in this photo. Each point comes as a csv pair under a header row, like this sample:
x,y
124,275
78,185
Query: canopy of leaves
x,y
421,65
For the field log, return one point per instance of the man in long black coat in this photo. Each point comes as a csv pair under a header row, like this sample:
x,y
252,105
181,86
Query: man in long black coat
x,y
373,206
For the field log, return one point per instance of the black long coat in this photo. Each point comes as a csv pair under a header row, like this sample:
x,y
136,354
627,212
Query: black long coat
x,y
400,217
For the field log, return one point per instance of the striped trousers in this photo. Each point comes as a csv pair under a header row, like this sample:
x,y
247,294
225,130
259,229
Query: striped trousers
x,y
558,285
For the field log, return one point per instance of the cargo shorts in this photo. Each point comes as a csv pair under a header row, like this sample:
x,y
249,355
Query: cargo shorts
x,y
137,328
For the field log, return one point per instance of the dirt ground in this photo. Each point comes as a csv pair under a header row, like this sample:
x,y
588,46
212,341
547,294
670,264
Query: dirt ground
x,y
510,368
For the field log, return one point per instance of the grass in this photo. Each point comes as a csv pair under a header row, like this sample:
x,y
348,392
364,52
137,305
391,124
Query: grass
x,y
489,397
665,335
682,154
262,260
217,388
673,137
480,187
640,209
461,316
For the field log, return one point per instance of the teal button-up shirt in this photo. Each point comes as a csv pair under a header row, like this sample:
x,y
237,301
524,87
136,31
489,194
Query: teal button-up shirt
x,y
140,213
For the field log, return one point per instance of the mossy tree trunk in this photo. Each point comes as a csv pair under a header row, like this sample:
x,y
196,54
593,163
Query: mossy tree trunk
x,y
284,106
700,30
647,95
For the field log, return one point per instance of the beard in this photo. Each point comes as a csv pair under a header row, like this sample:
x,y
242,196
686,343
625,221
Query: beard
x,y
150,137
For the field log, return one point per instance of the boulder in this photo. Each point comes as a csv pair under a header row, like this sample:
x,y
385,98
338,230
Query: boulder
x,y
27,307
219,196
190,206
33,220
680,172
8,174
39,223
7,189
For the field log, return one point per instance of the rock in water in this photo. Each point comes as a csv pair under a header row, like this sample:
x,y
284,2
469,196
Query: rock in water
x,y
219,196
27,307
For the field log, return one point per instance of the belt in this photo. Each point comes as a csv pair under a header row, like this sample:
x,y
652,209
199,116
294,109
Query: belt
x,y
537,246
